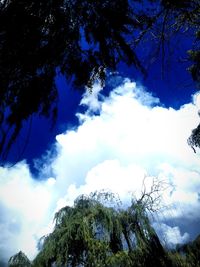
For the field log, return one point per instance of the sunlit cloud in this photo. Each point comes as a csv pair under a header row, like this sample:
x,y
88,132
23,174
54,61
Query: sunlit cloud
x,y
24,207
170,235
133,136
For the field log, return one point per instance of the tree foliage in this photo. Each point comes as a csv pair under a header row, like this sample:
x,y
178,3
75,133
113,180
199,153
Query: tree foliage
x,y
194,139
19,260
98,231
94,234
80,40
192,251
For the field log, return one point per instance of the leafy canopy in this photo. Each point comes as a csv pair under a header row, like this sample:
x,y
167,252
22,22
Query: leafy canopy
x,y
97,231
19,260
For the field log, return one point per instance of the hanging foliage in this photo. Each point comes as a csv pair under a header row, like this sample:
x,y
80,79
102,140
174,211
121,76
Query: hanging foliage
x,y
97,231
94,234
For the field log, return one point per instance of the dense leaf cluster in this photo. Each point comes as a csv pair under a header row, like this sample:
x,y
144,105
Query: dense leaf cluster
x,y
98,232
19,260
93,234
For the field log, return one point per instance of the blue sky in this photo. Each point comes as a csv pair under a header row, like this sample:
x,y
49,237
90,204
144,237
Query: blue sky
x,y
120,140
110,139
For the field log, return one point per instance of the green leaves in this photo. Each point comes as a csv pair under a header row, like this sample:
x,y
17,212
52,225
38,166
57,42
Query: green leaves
x,y
93,233
19,260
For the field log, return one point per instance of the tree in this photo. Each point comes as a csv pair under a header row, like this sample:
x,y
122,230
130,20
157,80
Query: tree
x,y
95,232
78,39
19,260
98,231
194,139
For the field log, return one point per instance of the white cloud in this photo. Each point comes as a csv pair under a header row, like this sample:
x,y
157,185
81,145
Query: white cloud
x,y
24,207
132,137
170,235
196,99
130,132
90,98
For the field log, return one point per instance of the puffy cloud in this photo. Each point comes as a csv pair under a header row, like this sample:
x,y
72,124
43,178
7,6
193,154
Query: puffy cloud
x,y
170,236
132,137
132,132
24,207
91,98
196,99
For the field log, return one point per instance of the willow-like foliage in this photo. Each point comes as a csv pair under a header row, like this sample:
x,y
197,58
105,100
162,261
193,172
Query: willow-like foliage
x,y
98,232
93,234
19,260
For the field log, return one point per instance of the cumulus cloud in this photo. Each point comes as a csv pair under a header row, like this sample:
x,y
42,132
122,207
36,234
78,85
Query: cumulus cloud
x,y
24,208
170,236
91,98
132,137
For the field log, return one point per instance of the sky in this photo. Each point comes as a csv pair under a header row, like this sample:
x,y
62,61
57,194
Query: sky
x,y
121,139
134,129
